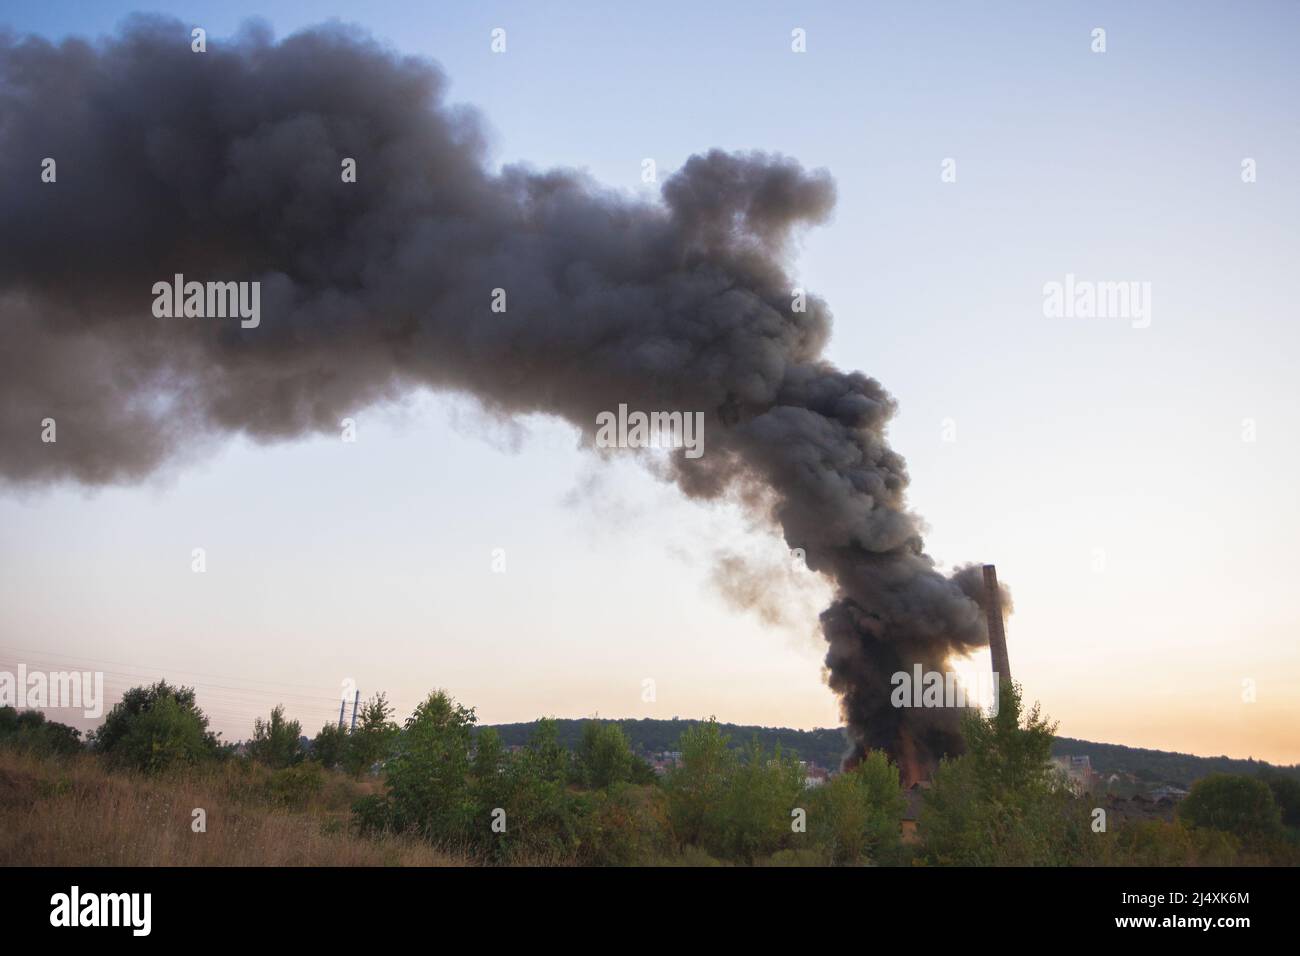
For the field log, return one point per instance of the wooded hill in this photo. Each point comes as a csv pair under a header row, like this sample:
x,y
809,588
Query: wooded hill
x,y
826,745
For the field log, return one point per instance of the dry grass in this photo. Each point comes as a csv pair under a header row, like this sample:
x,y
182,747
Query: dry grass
x,y
73,812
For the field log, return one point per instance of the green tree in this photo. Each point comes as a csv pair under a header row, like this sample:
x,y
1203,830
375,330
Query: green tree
x,y
1154,843
540,820
327,747
491,772
276,741
30,731
762,791
489,755
428,772
1241,806
294,786
544,819
1001,803
372,739
698,785
1286,794
155,727
641,772
165,736
604,756
552,760
856,815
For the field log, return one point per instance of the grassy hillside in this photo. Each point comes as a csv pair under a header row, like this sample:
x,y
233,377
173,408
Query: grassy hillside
x,y
825,746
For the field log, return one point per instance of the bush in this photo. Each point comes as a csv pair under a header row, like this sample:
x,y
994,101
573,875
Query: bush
x,y
162,737
294,787
1286,794
735,806
1242,806
1165,843
604,756
762,792
545,822
854,817
427,775
1001,804
327,746
372,815
276,741
30,732
627,826
372,741
698,785
155,728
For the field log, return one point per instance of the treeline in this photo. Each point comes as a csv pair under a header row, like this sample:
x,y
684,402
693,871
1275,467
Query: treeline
x,y
29,730
826,746
1163,766
648,735
439,778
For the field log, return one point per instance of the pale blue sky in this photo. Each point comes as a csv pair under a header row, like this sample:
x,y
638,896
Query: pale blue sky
x,y
372,561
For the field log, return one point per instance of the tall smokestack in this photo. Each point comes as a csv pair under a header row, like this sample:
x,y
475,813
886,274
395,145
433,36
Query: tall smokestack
x,y
997,633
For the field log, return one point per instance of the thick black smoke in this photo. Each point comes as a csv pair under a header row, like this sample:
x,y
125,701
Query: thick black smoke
x,y
226,166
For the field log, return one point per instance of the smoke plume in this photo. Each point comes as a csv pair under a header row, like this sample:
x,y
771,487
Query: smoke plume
x,y
225,166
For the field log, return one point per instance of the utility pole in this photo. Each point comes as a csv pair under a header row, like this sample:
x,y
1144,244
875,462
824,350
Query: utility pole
x,y
355,702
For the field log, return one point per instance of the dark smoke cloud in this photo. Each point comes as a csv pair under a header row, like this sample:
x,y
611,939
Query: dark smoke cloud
x,y
226,166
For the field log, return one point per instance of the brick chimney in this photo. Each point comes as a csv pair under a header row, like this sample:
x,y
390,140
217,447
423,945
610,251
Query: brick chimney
x,y
997,633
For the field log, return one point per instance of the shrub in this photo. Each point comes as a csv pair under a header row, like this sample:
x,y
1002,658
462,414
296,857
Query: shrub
x,y
545,822
29,731
328,745
604,756
276,741
427,775
154,728
856,815
372,741
372,815
627,826
294,787
697,786
761,793
1001,803
1242,806
164,736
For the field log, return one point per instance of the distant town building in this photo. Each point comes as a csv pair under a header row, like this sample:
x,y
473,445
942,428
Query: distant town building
x,y
664,760
1078,773
813,774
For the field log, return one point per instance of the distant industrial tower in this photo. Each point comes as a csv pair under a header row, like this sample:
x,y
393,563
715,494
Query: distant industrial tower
x,y
997,633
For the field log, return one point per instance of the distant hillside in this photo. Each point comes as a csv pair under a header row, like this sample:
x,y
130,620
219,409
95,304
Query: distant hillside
x,y
825,746
1160,766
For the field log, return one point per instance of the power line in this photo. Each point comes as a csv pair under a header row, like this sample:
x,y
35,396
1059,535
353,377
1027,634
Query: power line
x,y
233,703
152,668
